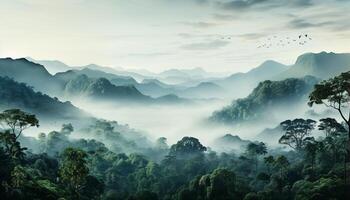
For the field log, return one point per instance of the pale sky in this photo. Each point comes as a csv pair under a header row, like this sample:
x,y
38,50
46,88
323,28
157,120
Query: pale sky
x,y
160,34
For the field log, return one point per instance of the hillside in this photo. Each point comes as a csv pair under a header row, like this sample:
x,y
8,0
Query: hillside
x,y
19,95
52,66
203,90
35,75
249,80
268,95
322,65
228,143
101,89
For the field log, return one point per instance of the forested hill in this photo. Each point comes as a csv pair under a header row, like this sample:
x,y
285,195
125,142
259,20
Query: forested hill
x,y
19,95
267,95
101,89
322,65
33,74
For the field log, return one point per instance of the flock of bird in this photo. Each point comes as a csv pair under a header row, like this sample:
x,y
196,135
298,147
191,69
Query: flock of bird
x,y
285,41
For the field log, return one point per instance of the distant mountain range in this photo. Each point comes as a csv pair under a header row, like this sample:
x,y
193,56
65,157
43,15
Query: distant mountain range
x,y
321,65
19,95
76,83
35,75
192,83
101,89
246,82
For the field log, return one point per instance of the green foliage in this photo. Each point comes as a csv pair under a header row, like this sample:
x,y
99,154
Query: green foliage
x,y
331,127
266,96
19,95
17,120
296,132
88,169
73,170
187,146
333,93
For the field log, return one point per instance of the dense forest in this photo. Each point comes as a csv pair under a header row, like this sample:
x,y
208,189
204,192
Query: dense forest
x,y
266,97
57,166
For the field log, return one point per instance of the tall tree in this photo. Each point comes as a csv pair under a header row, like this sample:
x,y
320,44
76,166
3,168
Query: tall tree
x,y
256,149
311,148
296,132
334,93
331,127
269,161
74,170
17,121
187,146
282,163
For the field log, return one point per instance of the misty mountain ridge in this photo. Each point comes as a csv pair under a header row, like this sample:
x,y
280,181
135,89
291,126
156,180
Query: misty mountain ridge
x,y
267,96
229,143
249,80
73,83
322,65
35,75
101,89
18,95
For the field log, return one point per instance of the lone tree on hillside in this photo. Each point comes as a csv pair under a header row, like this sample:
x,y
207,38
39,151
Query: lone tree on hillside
x,y
334,93
18,121
296,132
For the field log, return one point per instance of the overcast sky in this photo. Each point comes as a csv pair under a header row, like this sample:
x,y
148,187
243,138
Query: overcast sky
x,y
162,34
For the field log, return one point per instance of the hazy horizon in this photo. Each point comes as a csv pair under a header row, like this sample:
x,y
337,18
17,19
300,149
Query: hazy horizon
x,y
218,36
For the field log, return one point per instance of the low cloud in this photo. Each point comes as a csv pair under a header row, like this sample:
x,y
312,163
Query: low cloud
x,y
266,4
216,44
252,36
200,24
302,23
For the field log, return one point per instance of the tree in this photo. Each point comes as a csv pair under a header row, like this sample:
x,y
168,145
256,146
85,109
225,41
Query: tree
x,y
73,170
269,161
331,127
220,184
18,121
12,145
187,146
67,129
161,143
311,148
18,176
256,149
282,163
334,93
296,132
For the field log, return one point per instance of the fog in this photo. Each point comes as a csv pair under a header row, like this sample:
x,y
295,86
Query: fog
x,y
175,121
170,121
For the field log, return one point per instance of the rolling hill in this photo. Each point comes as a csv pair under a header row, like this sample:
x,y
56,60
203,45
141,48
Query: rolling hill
x,y
18,95
248,81
266,97
322,65
34,75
